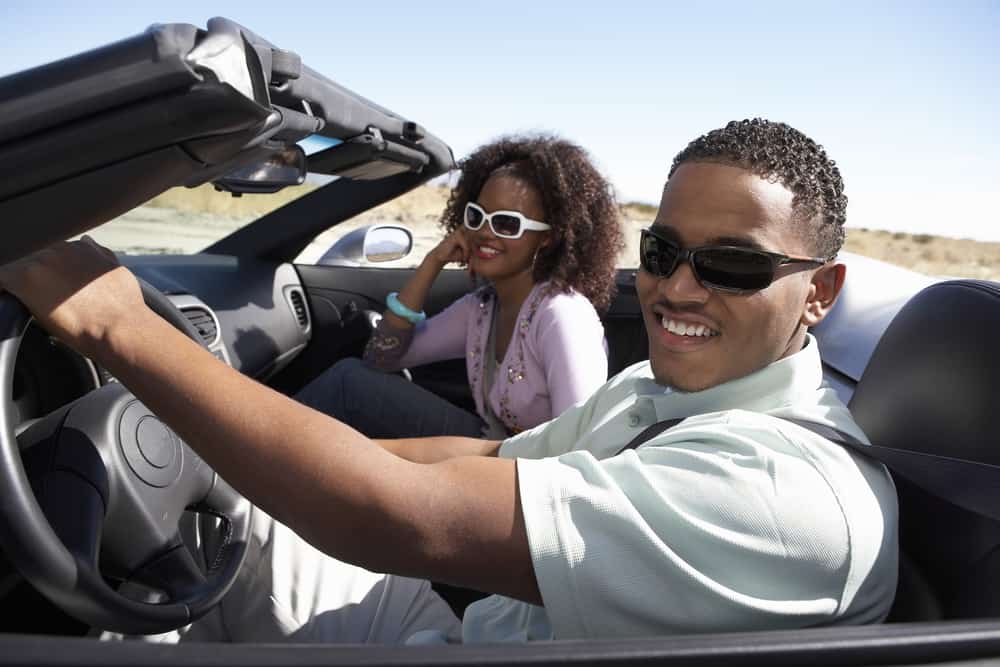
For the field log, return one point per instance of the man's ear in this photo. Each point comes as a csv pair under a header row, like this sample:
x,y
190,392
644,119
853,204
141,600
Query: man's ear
x,y
823,291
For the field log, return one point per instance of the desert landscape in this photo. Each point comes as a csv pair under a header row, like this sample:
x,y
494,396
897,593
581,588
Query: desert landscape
x,y
187,220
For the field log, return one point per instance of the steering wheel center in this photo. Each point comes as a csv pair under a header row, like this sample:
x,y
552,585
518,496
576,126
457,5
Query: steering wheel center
x,y
152,450
156,442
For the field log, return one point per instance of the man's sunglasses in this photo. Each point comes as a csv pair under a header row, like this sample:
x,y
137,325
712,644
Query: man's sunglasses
x,y
505,224
733,269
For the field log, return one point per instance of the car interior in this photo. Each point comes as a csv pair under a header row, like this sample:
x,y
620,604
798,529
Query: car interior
x,y
88,138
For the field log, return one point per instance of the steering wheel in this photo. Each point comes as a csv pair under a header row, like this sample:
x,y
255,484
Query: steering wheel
x,y
98,488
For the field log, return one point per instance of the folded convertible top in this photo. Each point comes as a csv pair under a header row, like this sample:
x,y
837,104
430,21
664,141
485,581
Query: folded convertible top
x,y
87,138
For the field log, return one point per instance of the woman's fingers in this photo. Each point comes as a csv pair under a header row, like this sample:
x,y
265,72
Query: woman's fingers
x,y
464,245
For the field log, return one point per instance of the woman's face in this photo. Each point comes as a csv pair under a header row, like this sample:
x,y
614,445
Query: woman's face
x,y
496,258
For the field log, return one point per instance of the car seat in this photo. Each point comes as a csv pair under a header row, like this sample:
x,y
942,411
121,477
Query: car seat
x,y
930,391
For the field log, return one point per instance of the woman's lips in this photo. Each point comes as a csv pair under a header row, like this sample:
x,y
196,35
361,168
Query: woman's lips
x,y
486,252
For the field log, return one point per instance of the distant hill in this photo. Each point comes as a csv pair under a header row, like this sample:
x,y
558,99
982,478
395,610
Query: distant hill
x,y
421,209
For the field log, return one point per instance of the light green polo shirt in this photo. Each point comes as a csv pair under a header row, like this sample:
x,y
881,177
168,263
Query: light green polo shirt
x,y
734,520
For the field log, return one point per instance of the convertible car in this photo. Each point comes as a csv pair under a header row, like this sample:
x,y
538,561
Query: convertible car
x,y
93,488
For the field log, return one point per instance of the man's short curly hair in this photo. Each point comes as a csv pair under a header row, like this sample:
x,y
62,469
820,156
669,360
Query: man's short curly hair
x,y
579,205
778,152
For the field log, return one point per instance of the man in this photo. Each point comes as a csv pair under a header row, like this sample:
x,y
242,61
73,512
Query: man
x,y
735,519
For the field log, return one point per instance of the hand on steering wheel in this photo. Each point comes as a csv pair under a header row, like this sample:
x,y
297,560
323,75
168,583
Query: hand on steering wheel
x,y
100,491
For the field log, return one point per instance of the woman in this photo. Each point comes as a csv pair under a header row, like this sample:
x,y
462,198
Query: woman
x,y
534,219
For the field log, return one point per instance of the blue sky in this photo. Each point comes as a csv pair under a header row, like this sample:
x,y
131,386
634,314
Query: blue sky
x,y
905,96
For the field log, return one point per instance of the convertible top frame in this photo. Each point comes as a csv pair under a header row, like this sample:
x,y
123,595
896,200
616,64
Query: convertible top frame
x,y
173,106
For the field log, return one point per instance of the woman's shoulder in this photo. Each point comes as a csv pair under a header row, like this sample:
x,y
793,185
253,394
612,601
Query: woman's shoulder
x,y
566,309
556,302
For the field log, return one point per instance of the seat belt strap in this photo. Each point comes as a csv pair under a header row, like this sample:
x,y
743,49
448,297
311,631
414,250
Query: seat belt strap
x,y
649,433
834,435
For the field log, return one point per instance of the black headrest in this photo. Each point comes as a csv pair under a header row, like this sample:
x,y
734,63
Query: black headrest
x,y
932,388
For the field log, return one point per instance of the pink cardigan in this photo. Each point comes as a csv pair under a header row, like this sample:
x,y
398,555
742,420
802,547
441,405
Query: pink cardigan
x,y
556,358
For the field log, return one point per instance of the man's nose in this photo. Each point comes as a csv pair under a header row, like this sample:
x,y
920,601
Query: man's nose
x,y
682,286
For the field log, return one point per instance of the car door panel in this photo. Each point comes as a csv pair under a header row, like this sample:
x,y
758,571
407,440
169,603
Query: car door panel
x,y
342,299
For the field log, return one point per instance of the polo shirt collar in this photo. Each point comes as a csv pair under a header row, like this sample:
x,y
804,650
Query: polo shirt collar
x,y
781,383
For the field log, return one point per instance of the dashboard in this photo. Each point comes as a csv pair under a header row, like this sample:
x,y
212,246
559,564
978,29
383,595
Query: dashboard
x,y
259,308
252,316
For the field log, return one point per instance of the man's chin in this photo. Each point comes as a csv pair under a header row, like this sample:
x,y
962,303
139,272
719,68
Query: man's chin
x,y
679,381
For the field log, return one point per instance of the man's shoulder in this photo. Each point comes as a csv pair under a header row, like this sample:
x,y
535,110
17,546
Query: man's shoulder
x,y
787,423
631,379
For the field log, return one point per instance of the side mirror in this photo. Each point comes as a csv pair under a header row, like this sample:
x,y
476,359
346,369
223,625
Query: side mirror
x,y
374,243
281,169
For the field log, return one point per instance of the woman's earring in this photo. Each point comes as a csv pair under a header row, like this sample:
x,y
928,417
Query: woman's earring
x,y
534,260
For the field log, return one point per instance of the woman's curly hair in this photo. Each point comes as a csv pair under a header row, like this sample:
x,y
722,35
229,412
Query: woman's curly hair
x,y
579,205
779,152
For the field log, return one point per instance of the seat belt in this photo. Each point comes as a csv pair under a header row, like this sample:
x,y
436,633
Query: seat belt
x,y
649,433
834,435
969,484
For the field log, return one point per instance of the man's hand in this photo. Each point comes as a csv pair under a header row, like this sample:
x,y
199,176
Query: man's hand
x,y
76,290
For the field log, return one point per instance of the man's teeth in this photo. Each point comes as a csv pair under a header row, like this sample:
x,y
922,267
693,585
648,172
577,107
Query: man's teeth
x,y
682,329
486,250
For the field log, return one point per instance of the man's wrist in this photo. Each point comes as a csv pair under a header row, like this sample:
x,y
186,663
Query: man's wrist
x,y
119,341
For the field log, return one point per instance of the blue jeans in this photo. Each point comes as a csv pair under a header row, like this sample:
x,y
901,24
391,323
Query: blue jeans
x,y
384,405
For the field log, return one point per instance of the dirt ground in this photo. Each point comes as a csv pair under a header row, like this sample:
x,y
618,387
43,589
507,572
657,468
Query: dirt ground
x,y
188,220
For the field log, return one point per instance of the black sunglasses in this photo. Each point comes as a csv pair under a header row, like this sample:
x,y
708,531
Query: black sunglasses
x,y
725,268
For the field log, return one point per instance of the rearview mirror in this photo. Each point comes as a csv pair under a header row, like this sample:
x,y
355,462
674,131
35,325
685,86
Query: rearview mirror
x,y
280,170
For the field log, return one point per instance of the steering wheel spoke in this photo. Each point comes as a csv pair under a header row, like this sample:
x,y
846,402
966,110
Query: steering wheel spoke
x,y
199,480
175,573
75,510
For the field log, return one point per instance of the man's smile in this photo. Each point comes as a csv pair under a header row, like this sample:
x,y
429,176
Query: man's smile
x,y
683,332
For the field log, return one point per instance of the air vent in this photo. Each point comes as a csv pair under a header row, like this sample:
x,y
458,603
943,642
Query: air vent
x,y
204,323
299,306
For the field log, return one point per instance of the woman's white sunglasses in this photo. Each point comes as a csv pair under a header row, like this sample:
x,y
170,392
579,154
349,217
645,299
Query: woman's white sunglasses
x,y
505,224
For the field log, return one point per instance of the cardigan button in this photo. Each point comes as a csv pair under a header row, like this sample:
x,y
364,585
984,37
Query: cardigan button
x,y
633,419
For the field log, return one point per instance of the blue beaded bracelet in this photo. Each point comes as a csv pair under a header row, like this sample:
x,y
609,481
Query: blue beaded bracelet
x,y
397,307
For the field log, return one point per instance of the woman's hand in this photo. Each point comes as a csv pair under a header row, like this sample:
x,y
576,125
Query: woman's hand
x,y
453,248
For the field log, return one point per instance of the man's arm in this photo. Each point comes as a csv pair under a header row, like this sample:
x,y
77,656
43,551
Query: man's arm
x,y
458,520
437,449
